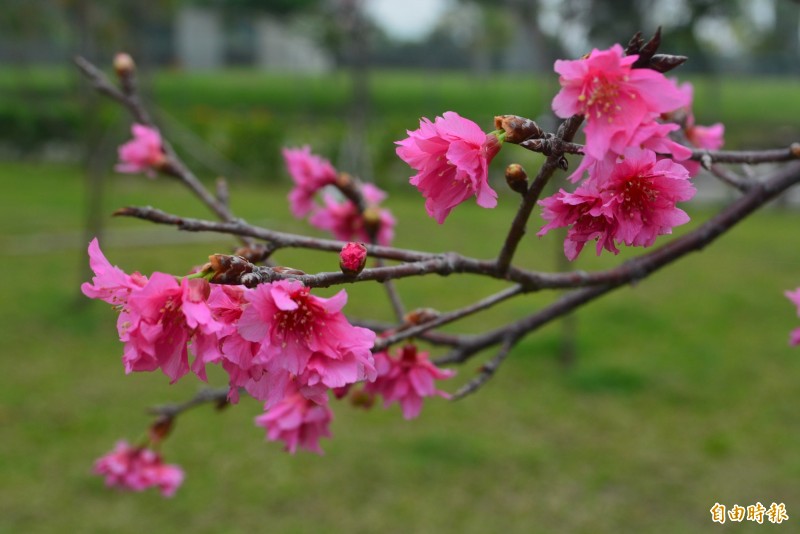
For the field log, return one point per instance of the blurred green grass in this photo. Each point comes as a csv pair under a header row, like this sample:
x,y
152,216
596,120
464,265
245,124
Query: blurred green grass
x,y
683,393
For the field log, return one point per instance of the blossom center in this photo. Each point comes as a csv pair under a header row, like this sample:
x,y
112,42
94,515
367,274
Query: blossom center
x,y
638,194
600,97
299,321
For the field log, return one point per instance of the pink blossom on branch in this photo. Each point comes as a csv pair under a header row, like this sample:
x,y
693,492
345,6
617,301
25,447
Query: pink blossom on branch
x,y
583,212
342,218
614,97
651,135
298,422
307,336
641,196
144,153
407,379
635,204
110,283
452,156
310,173
158,317
137,469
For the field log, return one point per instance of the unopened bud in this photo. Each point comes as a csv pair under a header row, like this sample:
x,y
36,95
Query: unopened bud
x,y
372,221
665,62
227,269
563,164
362,399
420,315
160,429
517,129
353,258
517,178
344,180
254,253
123,64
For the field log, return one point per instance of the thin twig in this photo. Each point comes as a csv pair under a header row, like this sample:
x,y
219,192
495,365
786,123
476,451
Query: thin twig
x,y
434,338
517,230
175,167
449,317
391,292
217,396
641,267
487,370
729,177
771,155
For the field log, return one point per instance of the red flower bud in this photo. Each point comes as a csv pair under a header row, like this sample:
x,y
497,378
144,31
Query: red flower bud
x,y
352,258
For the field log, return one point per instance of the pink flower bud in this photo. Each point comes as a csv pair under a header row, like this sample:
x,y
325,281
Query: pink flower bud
x,y
123,64
352,258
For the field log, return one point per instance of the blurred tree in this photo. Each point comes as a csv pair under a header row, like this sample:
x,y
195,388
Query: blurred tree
x,y
278,8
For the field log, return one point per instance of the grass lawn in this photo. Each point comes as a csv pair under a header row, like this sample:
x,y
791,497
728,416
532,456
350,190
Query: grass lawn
x,y
683,393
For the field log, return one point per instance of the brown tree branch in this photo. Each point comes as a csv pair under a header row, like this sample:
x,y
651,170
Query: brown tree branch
x,y
487,370
638,268
218,396
174,166
449,317
566,132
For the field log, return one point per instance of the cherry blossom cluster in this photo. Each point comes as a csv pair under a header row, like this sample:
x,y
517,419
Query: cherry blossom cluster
x,y
294,351
278,342
313,177
137,469
635,173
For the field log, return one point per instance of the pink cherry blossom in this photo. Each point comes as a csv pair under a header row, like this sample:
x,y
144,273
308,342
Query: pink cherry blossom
x,y
343,219
614,97
298,422
307,336
407,380
240,358
794,296
144,153
110,283
137,469
452,156
583,212
651,135
641,195
310,173
632,206
160,319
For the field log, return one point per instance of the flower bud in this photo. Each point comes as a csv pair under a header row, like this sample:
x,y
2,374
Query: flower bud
x,y
795,148
160,429
253,253
420,315
517,178
344,180
362,399
372,221
517,129
352,258
123,64
227,269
